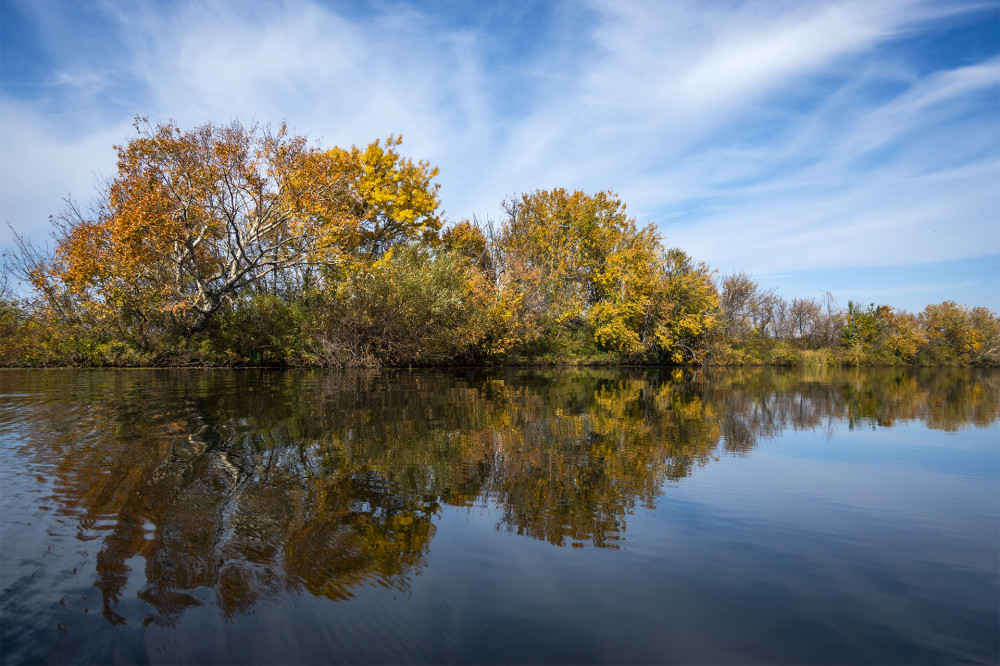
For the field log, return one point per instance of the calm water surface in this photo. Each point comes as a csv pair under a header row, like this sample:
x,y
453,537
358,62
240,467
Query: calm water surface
x,y
584,516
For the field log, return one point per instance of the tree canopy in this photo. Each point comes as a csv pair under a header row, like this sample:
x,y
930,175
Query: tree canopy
x,y
194,217
243,244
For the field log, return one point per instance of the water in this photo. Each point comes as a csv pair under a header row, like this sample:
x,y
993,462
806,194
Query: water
x,y
564,516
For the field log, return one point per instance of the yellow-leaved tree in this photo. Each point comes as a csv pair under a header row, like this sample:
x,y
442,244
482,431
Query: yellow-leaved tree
x,y
578,261
391,198
194,218
684,309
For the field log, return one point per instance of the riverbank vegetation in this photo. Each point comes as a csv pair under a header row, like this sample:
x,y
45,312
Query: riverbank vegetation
x,y
243,245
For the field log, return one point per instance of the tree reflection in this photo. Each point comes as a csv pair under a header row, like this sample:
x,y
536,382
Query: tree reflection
x,y
254,485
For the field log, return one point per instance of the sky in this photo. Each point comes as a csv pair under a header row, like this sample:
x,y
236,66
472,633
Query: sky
x,y
825,145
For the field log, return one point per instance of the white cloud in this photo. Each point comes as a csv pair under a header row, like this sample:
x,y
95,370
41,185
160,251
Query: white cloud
x,y
768,135
40,169
887,220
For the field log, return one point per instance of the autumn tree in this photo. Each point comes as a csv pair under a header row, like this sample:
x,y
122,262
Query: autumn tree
x,y
468,240
478,249
685,310
578,267
193,218
391,198
880,335
555,244
630,286
959,335
747,309
657,305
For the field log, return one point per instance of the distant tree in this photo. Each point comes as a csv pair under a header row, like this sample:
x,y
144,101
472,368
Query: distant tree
x,y
955,334
829,322
746,308
804,318
737,302
880,335
683,312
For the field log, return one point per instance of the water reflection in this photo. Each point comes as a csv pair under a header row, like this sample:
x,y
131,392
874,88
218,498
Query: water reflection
x,y
258,485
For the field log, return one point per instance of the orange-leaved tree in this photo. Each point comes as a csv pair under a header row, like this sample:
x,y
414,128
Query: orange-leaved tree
x,y
192,217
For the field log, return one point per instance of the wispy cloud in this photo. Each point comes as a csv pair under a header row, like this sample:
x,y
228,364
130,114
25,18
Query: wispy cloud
x,y
774,136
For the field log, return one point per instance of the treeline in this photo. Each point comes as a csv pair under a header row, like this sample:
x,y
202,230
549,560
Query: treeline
x,y
236,245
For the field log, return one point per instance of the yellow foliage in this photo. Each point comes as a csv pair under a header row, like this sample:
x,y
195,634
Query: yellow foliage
x,y
192,218
391,198
577,260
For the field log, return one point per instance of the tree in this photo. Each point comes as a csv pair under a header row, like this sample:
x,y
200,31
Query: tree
x,y
746,308
193,218
684,310
631,284
466,239
481,257
863,326
830,321
555,244
580,266
956,334
880,335
570,262
392,199
804,318
985,344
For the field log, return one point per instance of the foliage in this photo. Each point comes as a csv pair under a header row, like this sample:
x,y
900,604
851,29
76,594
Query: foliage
x,y
554,246
958,335
412,306
15,339
581,267
684,315
880,335
195,218
390,201
261,329
192,218
239,245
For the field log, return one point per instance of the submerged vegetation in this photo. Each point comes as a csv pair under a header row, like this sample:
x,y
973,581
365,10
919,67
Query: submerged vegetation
x,y
236,245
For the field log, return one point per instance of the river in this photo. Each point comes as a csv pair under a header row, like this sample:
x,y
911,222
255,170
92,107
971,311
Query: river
x,y
588,515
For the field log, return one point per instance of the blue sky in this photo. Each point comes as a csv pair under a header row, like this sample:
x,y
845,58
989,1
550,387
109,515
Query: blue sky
x,y
843,146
